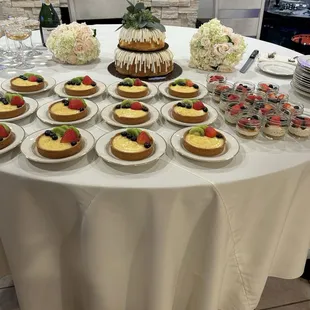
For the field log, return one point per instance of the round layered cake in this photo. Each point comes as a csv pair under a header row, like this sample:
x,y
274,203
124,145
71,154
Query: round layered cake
x,y
142,51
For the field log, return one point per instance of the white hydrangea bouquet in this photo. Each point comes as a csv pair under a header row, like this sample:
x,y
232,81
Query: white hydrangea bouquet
x,y
216,48
74,44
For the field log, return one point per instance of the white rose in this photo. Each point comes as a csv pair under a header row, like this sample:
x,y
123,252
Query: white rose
x,y
221,50
205,42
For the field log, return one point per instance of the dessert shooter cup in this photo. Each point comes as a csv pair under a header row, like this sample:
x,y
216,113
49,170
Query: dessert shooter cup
x,y
214,78
267,87
263,108
244,87
276,125
249,125
255,97
220,88
300,126
228,97
276,98
295,108
233,112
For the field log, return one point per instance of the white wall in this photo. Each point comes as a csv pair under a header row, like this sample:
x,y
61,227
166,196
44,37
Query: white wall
x,y
206,9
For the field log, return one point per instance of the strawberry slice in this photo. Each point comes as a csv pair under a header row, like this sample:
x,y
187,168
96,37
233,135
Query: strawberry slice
x,y
235,109
69,136
233,97
210,132
32,78
136,106
76,104
307,122
143,138
138,82
297,122
16,100
275,119
189,83
286,105
87,80
3,132
198,105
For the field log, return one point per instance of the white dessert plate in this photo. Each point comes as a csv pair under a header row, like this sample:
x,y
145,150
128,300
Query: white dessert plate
x,y
19,136
152,92
44,115
166,112
299,91
278,68
103,150
60,90
231,149
163,88
31,107
107,116
29,149
49,83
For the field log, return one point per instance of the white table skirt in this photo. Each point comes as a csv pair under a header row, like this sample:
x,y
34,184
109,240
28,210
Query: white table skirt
x,y
177,235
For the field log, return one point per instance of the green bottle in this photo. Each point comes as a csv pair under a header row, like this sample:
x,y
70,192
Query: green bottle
x,y
49,20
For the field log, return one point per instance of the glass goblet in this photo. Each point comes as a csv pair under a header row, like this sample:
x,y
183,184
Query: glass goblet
x,y
19,34
32,25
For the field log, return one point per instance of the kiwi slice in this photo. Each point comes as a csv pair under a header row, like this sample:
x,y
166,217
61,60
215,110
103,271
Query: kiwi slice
x,y
198,131
129,81
8,96
59,131
186,101
76,80
177,81
134,131
126,102
75,129
7,128
203,126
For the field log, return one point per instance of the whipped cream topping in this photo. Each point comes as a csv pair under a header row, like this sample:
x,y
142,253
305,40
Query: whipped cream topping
x,y
143,61
142,35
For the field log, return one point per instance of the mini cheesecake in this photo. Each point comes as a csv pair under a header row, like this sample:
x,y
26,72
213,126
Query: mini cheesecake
x,y
12,105
132,144
132,88
6,136
190,111
28,82
204,141
183,88
81,86
68,110
131,112
60,142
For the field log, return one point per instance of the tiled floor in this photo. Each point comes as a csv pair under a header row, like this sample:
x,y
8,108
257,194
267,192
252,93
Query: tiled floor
x,y
278,295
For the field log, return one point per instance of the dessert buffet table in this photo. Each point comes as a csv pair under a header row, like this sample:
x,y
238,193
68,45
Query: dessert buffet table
x,y
176,234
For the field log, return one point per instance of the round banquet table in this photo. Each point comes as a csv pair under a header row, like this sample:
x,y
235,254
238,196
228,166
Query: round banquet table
x,y
174,235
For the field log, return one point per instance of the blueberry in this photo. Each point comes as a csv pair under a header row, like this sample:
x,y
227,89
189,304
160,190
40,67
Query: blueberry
x,y
69,83
205,109
179,104
124,84
124,133
48,133
267,125
129,136
82,109
294,126
145,109
173,84
147,145
93,84
5,102
73,143
19,106
183,105
126,106
196,86
255,117
118,106
300,117
54,137
39,80
65,102
243,108
182,84
270,85
24,78
78,83
21,76
296,107
133,138
303,127
219,136
1,139
188,106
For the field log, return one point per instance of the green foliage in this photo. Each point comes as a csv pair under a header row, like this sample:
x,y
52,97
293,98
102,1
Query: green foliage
x,y
138,17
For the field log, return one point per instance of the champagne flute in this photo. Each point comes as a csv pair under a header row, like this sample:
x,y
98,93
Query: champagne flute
x,y
19,34
32,25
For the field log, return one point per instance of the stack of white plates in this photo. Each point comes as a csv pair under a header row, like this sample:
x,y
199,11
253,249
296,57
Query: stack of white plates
x,y
301,78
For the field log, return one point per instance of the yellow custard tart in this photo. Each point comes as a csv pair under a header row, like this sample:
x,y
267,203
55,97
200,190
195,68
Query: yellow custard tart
x,y
12,105
132,88
81,86
183,88
7,137
190,111
27,82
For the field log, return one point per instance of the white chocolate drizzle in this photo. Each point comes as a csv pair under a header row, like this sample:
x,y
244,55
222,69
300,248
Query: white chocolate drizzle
x,y
142,35
143,61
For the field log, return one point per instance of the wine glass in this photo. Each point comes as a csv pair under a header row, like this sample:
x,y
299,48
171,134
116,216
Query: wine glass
x,y
32,25
19,34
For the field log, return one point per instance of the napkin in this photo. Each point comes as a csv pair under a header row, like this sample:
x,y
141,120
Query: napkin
x,y
281,58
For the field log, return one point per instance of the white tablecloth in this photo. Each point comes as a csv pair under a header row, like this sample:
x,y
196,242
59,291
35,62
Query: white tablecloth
x,y
176,235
